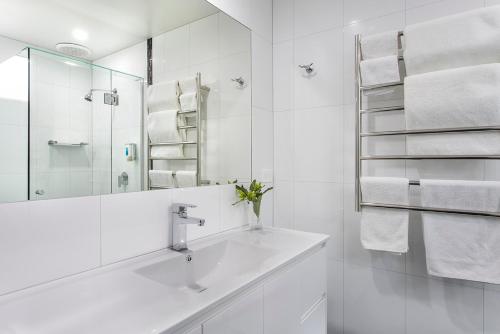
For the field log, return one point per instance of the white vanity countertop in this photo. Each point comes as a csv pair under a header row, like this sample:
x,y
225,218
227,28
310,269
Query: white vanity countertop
x,y
144,295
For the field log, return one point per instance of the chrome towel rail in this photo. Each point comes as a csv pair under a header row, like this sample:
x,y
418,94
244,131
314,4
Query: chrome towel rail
x,y
430,131
360,135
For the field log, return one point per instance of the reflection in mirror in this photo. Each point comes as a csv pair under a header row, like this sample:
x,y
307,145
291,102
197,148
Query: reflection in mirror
x,y
100,108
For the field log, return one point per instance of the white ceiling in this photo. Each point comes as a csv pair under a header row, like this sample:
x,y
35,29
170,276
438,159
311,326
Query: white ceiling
x,y
111,25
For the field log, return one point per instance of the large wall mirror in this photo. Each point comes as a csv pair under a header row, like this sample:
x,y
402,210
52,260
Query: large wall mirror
x,y
101,97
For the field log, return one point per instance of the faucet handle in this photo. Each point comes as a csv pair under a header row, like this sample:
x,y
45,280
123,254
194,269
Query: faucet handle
x,y
181,207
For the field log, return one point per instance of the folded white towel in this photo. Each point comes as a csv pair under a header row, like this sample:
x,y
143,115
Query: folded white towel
x,y
163,96
472,143
462,246
380,70
466,39
163,128
161,178
189,102
188,85
385,229
379,45
185,178
461,97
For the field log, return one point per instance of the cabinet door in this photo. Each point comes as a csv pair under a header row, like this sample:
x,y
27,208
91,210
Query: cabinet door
x,y
282,311
315,322
244,316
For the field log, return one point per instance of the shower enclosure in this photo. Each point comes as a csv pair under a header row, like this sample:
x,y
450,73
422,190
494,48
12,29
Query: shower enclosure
x,y
85,128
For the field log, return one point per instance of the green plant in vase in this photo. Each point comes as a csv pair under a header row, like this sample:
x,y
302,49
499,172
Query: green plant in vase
x,y
253,195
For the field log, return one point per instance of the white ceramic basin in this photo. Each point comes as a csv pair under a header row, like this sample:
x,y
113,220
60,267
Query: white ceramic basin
x,y
199,269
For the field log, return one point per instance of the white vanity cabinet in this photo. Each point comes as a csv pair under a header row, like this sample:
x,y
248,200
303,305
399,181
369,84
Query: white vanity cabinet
x,y
244,316
292,301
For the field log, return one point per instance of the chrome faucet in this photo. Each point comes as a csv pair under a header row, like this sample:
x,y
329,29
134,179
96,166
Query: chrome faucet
x,y
178,235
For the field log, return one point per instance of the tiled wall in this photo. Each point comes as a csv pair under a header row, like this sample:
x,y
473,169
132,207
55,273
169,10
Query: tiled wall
x,y
369,292
219,48
59,112
44,240
13,129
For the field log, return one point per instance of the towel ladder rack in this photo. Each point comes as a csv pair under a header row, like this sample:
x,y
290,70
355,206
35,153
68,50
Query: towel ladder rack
x,y
360,135
197,142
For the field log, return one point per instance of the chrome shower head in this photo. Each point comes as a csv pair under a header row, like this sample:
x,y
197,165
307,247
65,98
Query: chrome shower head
x,y
88,97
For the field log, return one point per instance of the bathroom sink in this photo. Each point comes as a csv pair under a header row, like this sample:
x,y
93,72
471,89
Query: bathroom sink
x,y
199,269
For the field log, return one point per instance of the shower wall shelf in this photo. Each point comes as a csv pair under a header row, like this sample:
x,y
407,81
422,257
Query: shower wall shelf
x,y
360,135
56,143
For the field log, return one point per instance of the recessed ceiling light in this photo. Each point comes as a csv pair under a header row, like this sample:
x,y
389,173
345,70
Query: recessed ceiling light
x,y
80,34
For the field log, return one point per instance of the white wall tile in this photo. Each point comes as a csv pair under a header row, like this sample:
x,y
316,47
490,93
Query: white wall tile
x,y
374,301
441,307
318,140
358,10
45,240
492,2
313,16
318,208
262,145
204,40
283,76
261,18
231,216
323,87
262,73
441,8
283,145
418,3
283,205
282,20
134,223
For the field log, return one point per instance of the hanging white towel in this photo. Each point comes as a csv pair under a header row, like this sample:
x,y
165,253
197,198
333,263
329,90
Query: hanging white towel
x,y
472,143
161,178
378,71
379,45
188,85
189,102
385,229
163,96
185,178
163,128
465,39
462,246
462,97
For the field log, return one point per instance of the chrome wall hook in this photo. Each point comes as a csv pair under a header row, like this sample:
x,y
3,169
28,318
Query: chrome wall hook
x,y
309,69
240,81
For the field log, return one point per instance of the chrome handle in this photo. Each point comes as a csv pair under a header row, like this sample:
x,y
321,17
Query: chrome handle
x,y
309,69
40,192
181,207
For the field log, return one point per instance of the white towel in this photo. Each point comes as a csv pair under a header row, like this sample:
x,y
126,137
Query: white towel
x,y
472,143
462,246
185,178
462,97
385,229
378,71
466,39
379,45
163,128
189,102
163,95
188,85
161,178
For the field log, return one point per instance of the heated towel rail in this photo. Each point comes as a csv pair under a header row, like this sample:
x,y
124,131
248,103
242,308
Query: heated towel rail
x,y
200,91
360,111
